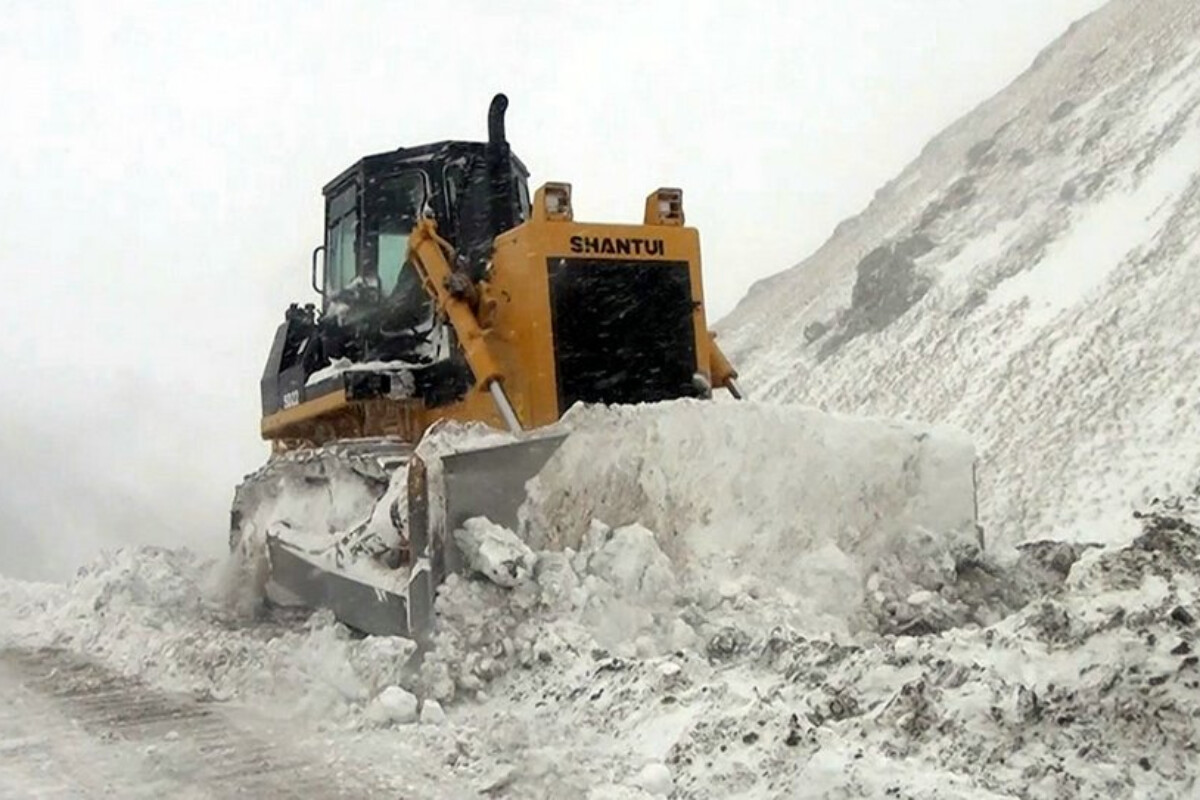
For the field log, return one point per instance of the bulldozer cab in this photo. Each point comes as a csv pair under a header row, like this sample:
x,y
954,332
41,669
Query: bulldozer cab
x,y
474,191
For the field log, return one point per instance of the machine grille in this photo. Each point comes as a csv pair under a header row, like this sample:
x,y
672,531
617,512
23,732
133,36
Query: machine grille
x,y
623,330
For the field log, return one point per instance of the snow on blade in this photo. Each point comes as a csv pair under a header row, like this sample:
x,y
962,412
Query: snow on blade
x,y
772,500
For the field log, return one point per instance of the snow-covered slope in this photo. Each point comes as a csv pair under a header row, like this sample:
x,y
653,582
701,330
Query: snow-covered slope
x,y
1031,277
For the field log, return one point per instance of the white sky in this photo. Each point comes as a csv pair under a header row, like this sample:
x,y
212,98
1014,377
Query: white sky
x,y
163,162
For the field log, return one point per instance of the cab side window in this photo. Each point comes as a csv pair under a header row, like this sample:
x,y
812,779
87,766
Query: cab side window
x,y
341,242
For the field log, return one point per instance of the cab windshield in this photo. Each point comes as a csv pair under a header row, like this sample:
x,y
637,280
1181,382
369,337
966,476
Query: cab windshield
x,y
394,204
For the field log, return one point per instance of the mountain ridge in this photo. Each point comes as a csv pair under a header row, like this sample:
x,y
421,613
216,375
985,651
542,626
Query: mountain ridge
x,y
1042,247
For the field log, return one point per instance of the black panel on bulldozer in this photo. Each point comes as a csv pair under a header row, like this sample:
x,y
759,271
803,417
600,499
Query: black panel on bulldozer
x,y
623,330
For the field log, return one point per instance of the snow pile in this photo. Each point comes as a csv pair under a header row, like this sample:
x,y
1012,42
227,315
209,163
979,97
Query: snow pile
x,y
846,524
843,526
840,518
319,502
165,615
599,675
1030,277
618,592
1088,691
343,508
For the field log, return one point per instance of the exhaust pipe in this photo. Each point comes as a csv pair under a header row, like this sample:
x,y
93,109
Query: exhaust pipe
x,y
501,194
496,120
487,208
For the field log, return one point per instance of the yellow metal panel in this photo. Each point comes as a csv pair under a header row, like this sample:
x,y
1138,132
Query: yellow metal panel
x,y
521,335
276,425
512,334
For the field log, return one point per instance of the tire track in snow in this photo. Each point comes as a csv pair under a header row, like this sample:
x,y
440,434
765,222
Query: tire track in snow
x,y
71,728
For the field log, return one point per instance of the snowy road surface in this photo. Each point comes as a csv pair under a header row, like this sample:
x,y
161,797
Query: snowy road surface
x,y
70,728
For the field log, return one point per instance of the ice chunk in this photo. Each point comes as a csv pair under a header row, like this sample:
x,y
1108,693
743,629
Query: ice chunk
x,y
556,579
495,552
630,560
393,706
655,778
920,597
432,713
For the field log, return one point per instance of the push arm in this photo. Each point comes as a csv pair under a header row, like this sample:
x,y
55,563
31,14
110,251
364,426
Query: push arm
x,y
430,255
723,373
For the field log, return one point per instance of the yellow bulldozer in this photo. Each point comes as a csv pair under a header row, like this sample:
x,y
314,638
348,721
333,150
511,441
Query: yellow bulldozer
x,y
451,294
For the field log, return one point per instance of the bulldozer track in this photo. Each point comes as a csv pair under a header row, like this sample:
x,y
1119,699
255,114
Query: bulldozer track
x,y
72,728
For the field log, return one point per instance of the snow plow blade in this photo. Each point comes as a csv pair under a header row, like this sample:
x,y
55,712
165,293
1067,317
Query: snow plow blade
x,y
781,496
484,481
360,605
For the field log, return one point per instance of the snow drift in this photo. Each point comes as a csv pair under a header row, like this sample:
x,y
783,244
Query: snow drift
x,y
787,501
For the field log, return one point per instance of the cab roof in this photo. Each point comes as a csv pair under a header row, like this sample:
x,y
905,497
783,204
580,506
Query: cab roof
x,y
434,152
